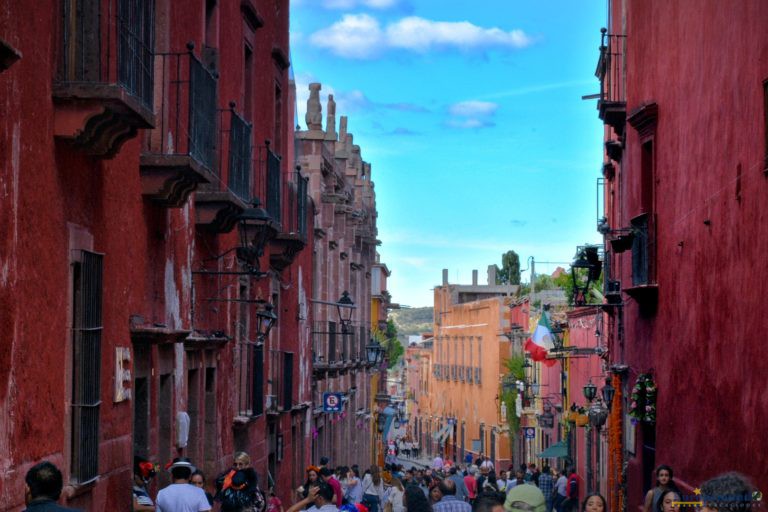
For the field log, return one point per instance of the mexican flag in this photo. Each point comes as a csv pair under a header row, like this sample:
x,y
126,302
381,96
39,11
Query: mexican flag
x,y
540,342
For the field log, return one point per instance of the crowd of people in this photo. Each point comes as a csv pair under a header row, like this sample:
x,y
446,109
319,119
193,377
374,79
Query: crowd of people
x,y
474,486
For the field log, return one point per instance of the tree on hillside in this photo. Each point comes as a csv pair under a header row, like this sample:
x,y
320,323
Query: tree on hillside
x,y
388,339
509,273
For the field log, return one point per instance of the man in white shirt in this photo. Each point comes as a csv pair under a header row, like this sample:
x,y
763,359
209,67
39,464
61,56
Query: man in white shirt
x,y
486,466
437,463
180,496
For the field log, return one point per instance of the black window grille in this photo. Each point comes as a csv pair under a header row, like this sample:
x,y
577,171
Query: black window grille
x,y
640,251
332,356
81,38
135,38
202,118
302,207
86,389
287,381
273,186
258,381
240,158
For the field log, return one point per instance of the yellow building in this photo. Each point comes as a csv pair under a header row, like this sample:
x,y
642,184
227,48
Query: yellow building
x,y
460,411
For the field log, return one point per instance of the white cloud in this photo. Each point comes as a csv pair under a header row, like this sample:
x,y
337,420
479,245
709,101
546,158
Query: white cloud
x,y
361,36
473,108
355,36
467,124
420,34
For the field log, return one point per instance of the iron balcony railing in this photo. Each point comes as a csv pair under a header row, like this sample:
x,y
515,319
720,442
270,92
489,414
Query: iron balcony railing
x,y
240,157
273,186
186,109
109,42
335,346
611,67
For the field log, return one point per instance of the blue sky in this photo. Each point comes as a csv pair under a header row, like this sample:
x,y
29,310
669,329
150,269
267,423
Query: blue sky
x,y
471,116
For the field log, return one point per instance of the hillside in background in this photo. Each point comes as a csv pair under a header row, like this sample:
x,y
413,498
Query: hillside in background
x,y
411,321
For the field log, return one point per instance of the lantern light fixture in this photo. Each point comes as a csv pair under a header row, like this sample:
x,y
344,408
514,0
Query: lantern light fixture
x,y
590,391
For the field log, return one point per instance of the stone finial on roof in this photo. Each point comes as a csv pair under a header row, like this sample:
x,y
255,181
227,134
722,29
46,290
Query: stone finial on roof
x,y
314,115
343,128
330,123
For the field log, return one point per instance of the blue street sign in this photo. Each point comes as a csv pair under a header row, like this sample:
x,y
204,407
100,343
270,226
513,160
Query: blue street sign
x,y
530,433
331,402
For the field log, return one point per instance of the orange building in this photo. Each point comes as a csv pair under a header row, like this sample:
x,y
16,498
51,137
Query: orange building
x,y
459,409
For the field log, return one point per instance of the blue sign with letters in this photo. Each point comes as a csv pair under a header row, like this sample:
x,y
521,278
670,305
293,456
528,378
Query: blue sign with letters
x,y
332,402
530,433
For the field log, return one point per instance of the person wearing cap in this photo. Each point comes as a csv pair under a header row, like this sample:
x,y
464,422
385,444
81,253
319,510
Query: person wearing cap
x,y
143,471
180,496
525,498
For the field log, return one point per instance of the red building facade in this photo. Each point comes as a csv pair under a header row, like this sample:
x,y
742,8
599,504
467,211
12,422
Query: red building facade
x,y
683,96
136,268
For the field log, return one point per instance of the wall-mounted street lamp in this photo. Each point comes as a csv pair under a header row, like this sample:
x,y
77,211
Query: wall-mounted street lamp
x,y
266,320
345,307
587,259
374,352
590,391
608,393
255,227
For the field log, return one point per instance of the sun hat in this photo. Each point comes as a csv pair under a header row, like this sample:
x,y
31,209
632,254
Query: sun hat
x,y
181,462
525,498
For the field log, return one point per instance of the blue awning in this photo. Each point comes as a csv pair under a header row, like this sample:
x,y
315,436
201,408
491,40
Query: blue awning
x,y
556,451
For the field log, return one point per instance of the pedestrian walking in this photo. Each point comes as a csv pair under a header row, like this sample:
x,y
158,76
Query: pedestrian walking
x,y
664,482
668,501
415,449
143,472
313,475
547,486
594,502
572,491
180,496
238,488
560,492
198,479
354,486
373,489
470,481
414,500
525,498
273,502
326,475
489,503
438,463
740,495
42,487
461,487
319,499
395,497
449,502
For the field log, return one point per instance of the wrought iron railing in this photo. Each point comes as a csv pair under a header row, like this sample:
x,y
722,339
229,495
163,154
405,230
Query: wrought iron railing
x,y
611,67
109,42
296,202
273,186
186,109
336,345
642,250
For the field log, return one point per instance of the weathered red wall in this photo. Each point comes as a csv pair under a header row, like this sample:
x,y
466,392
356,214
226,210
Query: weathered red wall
x,y
703,63
149,252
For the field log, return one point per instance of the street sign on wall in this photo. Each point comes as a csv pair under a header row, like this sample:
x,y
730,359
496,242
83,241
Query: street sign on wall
x,y
332,402
530,432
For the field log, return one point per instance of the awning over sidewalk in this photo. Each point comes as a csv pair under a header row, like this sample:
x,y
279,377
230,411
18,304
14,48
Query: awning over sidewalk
x,y
441,435
556,451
